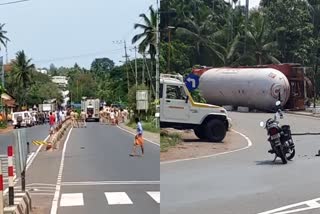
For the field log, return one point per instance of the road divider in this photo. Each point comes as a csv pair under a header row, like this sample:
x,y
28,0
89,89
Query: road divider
x,y
22,204
54,139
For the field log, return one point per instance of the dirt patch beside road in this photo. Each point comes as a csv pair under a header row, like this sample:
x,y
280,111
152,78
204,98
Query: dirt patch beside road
x,y
192,147
6,130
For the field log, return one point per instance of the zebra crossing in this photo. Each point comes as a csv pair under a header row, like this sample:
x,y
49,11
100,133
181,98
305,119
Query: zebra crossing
x,y
112,198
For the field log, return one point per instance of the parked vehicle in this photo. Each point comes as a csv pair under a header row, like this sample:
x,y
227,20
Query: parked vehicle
x,y
91,107
179,111
22,119
280,137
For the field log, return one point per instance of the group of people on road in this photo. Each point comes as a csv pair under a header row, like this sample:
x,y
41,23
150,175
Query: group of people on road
x,y
78,120
56,119
107,115
112,116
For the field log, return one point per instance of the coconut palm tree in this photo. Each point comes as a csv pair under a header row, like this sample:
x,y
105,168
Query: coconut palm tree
x,y
148,36
22,70
3,38
259,44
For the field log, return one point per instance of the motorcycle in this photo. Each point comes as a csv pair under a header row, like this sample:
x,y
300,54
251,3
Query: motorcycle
x,y
280,137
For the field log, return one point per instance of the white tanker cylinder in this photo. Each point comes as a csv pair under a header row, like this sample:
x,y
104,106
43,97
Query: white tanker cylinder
x,y
256,88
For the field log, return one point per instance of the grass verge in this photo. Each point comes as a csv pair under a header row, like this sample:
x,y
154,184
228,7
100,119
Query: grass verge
x,y
168,140
147,126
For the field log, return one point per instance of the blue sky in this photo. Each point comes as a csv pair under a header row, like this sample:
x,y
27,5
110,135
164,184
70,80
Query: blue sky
x,y
77,30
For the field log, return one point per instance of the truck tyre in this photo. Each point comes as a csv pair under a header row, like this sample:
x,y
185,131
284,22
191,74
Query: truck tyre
x,y
200,132
215,130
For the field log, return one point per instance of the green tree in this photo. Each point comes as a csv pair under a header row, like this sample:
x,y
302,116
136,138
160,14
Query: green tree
x,y
148,36
290,21
22,71
102,65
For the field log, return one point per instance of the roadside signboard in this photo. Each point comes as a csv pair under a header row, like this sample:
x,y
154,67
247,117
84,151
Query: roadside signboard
x,y
142,99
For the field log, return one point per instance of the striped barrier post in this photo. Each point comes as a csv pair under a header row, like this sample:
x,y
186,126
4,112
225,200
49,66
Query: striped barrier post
x,y
1,190
10,174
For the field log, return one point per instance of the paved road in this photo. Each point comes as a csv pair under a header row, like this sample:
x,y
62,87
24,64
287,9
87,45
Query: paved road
x,y
33,133
247,181
99,176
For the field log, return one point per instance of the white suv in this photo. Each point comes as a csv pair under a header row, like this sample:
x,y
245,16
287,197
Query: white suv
x,y
179,111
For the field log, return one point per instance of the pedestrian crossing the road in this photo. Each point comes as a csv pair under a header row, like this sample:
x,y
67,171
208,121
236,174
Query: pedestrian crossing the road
x,y
112,198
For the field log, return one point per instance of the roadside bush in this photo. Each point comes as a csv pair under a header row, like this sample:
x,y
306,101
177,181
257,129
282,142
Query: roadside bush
x,y
168,140
148,125
3,124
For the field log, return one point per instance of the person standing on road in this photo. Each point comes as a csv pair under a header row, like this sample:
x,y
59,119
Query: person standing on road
x,y
73,119
63,117
138,140
83,118
52,121
112,117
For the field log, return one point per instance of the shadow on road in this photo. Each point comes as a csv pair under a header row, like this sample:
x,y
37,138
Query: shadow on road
x,y
269,162
198,141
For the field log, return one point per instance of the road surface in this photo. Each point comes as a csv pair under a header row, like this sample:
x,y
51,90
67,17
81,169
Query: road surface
x,y
33,133
247,182
96,175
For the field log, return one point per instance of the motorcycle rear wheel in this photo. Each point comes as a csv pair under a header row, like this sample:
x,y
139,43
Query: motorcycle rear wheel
x,y
281,154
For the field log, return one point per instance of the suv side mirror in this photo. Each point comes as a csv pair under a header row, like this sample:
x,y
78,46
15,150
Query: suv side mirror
x,y
187,99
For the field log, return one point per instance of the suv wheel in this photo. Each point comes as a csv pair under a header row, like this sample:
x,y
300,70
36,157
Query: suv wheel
x,y
215,130
200,132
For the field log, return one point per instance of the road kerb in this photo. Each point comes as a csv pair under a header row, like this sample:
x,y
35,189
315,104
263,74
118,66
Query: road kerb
x,y
150,141
249,144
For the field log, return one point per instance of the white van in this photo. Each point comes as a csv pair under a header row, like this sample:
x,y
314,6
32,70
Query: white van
x,y
26,119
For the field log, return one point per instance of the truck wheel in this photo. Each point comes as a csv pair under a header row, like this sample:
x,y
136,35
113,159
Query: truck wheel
x,y
215,130
199,131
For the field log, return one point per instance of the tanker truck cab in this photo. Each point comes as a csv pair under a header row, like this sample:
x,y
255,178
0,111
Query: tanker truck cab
x,y
178,110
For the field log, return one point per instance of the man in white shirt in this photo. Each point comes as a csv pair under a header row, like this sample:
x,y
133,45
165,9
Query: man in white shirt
x,y
112,115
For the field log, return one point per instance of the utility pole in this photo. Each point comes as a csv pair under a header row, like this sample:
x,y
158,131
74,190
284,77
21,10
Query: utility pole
x,y
143,67
7,58
2,70
135,63
126,56
169,46
157,61
246,27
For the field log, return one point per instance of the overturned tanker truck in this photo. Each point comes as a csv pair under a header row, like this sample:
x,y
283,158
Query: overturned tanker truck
x,y
255,88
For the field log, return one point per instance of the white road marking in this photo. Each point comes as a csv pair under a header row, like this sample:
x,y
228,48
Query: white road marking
x,y
93,183
150,141
35,155
117,198
155,196
311,204
30,156
54,207
27,167
39,193
71,200
249,144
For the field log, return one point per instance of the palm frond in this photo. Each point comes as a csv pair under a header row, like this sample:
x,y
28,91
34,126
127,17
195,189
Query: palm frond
x,y
146,19
137,37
